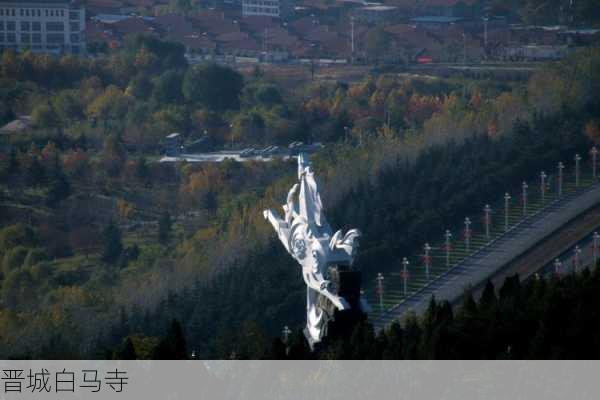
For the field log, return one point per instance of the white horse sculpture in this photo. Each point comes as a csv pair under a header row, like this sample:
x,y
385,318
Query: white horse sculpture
x,y
307,236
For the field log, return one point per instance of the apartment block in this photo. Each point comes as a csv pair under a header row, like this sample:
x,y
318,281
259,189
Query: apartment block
x,y
266,8
44,26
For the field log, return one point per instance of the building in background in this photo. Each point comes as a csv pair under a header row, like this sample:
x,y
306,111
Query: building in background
x,y
266,8
44,26
376,13
173,144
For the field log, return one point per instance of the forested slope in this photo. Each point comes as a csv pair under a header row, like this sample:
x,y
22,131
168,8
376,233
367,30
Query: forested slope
x,y
132,245
537,319
400,192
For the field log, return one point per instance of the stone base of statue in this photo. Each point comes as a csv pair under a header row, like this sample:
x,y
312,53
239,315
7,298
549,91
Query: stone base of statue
x,y
346,283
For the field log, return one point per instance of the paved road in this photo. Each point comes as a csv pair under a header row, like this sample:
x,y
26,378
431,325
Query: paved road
x,y
585,259
476,269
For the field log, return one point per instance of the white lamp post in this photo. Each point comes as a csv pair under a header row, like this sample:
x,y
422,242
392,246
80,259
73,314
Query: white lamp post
x,y
405,274
380,279
506,209
468,234
594,153
561,166
543,177
487,220
448,237
427,259
286,334
576,254
595,248
557,266
524,186
577,160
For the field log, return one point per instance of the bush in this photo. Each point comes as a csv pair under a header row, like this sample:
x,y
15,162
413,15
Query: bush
x,y
35,256
14,259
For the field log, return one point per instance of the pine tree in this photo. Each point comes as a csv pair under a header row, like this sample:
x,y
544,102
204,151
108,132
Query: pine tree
x,y
469,308
412,338
126,351
35,172
173,345
299,349
278,350
58,189
488,300
112,244
141,170
394,345
13,164
164,228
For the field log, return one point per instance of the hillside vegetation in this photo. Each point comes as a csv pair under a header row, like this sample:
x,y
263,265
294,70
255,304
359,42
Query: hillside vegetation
x,y
100,244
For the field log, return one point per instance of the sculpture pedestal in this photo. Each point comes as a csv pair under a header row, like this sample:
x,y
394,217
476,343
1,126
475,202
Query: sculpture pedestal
x,y
345,283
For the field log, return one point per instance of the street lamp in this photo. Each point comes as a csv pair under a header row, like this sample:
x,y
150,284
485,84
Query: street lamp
x,y
352,37
468,234
485,32
427,259
543,177
448,237
488,220
380,290
557,266
405,274
506,206
595,248
561,166
577,160
576,254
594,153
464,36
525,186
286,334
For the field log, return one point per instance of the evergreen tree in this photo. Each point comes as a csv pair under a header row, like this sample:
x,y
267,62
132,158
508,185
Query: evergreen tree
x,y
35,172
469,307
299,349
82,141
393,342
58,189
278,350
412,338
112,244
125,351
13,165
488,299
362,343
216,87
165,226
173,345
141,170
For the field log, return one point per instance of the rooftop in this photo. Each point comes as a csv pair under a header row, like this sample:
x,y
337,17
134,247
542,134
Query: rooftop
x,y
109,18
436,19
34,1
23,3
584,31
379,8
22,123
